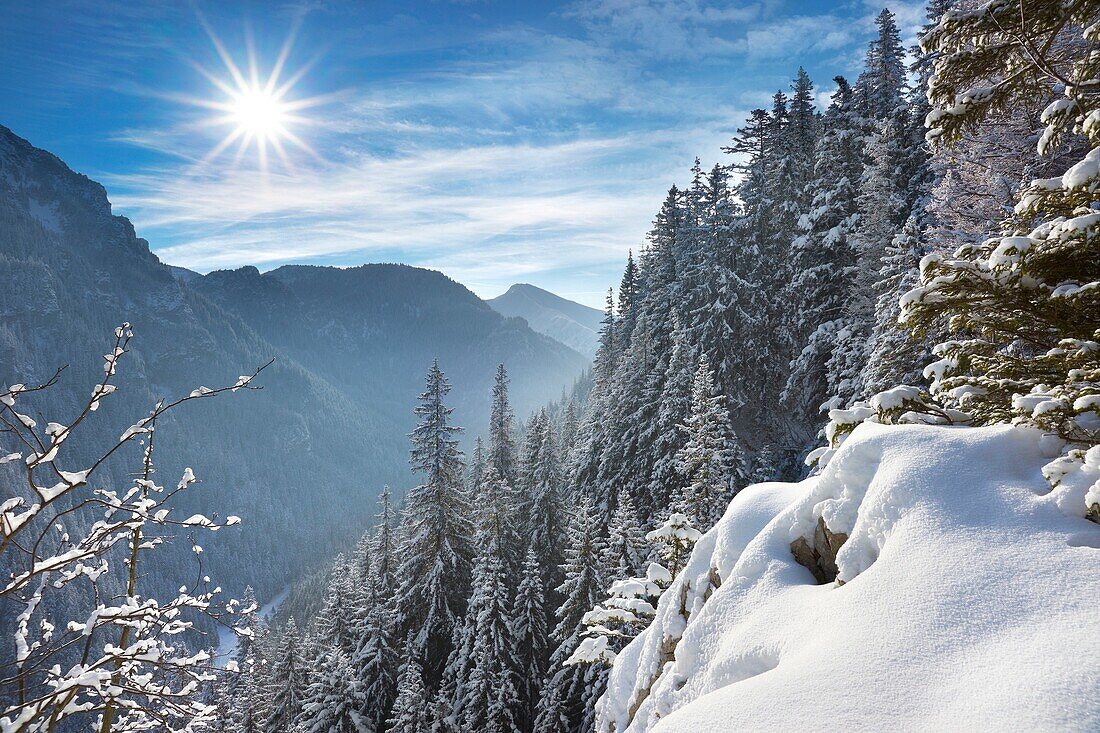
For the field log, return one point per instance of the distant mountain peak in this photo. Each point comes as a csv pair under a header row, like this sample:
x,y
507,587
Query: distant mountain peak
x,y
573,324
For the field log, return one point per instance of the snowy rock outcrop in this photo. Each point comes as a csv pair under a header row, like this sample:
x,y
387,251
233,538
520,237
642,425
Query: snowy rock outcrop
x,y
965,598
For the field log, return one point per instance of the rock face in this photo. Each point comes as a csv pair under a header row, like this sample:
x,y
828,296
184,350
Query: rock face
x,y
820,557
964,586
575,325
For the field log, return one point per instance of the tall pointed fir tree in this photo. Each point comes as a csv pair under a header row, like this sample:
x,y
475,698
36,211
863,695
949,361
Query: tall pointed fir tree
x,y
673,409
436,549
336,623
879,97
626,551
410,709
383,546
710,460
1024,305
289,676
628,311
375,660
542,509
502,446
334,700
571,691
530,642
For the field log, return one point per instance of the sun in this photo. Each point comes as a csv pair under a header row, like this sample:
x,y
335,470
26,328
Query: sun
x,y
260,112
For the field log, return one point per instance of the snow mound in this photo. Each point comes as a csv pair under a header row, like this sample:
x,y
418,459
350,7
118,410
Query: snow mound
x,y
966,599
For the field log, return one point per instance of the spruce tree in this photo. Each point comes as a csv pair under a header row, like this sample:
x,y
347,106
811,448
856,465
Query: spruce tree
x,y
410,709
625,552
1024,304
502,447
529,640
568,692
289,675
433,578
334,700
710,461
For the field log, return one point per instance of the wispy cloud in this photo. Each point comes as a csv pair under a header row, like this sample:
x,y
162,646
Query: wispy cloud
x,y
500,152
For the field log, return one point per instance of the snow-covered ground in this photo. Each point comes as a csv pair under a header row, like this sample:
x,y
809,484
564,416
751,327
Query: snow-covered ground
x,y
969,600
227,640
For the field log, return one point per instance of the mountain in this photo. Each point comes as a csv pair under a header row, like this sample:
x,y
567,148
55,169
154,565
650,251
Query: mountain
x,y
301,460
575,325
372,330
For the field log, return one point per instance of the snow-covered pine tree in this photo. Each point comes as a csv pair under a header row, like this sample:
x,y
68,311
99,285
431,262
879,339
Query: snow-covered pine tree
x,y
625,552
542,509
628,307
570,690
710,461
384,545
607,355
249,710
1025,303
334,700
530,642
410,709
502,444
673,409
879,98
894,355
675,538
336,623
287,684
375,661
492,665
436,548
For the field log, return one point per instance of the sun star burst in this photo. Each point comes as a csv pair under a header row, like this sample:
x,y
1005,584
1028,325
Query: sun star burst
x,y
261,114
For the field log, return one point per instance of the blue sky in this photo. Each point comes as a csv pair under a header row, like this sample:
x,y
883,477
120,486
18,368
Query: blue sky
x,y
498,142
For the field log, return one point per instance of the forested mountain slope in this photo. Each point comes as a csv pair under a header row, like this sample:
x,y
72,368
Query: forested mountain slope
x,y
301,460
373,330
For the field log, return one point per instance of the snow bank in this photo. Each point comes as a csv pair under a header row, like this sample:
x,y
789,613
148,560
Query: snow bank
x,y
967,600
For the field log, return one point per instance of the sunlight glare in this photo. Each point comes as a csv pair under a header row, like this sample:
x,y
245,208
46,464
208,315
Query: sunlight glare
x,y
259,112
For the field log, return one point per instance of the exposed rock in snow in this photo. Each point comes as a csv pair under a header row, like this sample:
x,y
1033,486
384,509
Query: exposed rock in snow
x,y
966,592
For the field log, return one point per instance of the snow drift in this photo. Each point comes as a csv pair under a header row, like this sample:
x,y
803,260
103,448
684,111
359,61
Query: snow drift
x,y
967,597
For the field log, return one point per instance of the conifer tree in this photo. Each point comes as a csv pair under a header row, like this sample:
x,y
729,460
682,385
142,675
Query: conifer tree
x,y
249,703
710,461
625,553
433,578
628,310
607,354
502,447
334,700
410,709
529,640
1025,303
568,692
289,675
383,545
375,661
824,260
542,509
894,355
675,538
492,664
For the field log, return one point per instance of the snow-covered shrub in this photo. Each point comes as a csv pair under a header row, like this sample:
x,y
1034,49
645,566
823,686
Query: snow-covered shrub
x,y
118,658
901,405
